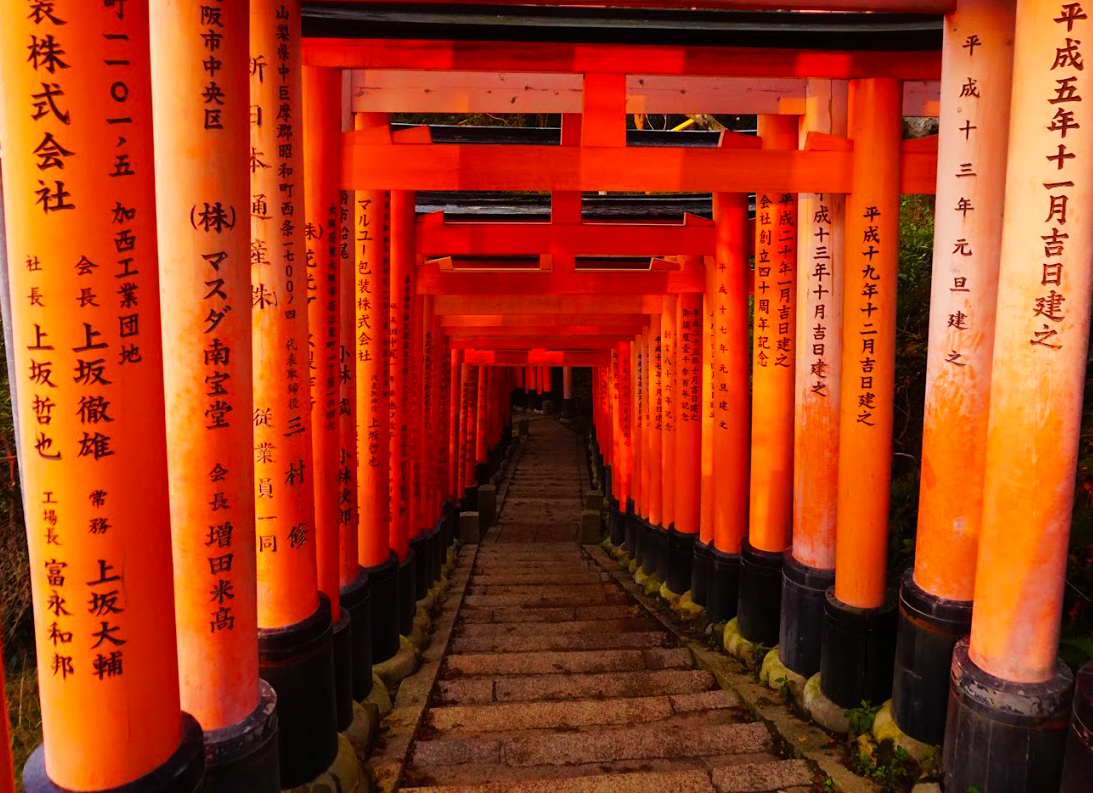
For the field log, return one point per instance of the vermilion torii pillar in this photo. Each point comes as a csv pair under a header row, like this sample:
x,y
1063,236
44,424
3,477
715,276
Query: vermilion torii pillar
x,y
809,570
635,532
673,543
416,407
202,212
859,629
621,475
403,269
7,771
935,600
294,619
773,369
377,537
687,374
321,122
727,302
455,404
701,564
1037,370
79,199
353,579
568,406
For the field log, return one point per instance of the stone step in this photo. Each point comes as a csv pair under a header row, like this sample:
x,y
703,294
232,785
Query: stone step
x,y
644,742
563,641
456,720
585,662
492,577
558,598
553,614
533,688
784,776
571,590
629,625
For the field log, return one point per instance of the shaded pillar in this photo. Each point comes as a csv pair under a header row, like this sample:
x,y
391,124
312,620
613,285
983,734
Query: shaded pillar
x,y
568,406
623,471
1010,693
935,606
372,353
703,558
295,640
455,405
809,570
88,369
668,435
201,208
773,369
638,478
859,617
321,113
400,315
687,377
415,407
727,300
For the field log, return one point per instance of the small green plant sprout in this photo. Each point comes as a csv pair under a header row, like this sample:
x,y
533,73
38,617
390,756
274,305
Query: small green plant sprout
x,y
861,718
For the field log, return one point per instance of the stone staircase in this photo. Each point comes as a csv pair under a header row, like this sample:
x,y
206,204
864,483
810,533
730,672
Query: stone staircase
x,y
557,680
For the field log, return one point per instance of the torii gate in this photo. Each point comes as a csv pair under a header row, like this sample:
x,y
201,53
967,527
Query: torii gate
x,y
180,430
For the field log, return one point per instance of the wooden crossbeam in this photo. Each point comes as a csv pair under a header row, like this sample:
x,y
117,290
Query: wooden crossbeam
x,y
528,342
538,357
507,331
876,6
572,58
483,321
370,166
415,91
431,280
695,236
534,305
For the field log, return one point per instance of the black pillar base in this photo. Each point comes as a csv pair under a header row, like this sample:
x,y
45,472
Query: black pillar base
x,y
469,502
383,581
535,400
181,773
641,541
243,756
652,543
616,522
680,557
627,520
721,598
927,630
437,550
1003,737
450,524
407,603
516,398
664,552
606,481
857,653
482,473
298,661
701,563
759,604
356,599
569,408
1078,768
804,590
343,669
419,547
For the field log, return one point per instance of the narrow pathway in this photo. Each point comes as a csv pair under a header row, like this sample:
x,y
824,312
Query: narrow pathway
x,y
556,680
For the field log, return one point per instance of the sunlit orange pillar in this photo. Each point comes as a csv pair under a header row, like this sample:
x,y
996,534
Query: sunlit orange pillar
x,y
292,615
773,368
200,160
1038,368
935,599
700,572
654,418
859,619
667,436
687,375
321,136
80,211
400,318
727,302
371,300
621,471
809,570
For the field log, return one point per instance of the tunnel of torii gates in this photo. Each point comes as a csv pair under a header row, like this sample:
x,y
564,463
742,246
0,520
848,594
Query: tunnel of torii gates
x,y
231,513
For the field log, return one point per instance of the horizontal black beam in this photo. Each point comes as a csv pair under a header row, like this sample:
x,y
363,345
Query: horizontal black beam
x,y
675,27
552,136
536,206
